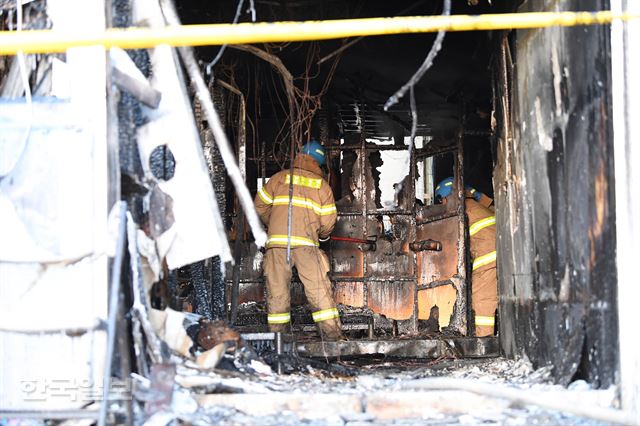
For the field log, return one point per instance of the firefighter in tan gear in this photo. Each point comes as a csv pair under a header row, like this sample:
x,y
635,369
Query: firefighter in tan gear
x,y
482,233
313,217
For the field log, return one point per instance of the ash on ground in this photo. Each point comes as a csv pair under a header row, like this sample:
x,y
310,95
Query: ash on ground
x,y
385,377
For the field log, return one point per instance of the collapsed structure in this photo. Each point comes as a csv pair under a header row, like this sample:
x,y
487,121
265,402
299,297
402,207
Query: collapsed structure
x,y
133,255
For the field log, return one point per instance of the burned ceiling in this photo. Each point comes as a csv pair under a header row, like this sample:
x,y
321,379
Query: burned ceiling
x,y
356,76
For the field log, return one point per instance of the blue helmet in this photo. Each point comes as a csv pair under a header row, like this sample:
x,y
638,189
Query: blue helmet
x,y
314,149
475,194
444,188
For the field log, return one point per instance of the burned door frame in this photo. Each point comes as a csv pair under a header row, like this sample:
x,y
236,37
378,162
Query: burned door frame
x,y
382,280
460,317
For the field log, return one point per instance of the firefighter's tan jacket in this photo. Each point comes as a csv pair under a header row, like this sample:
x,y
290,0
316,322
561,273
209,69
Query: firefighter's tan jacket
x,y
313,213
482,232
484,288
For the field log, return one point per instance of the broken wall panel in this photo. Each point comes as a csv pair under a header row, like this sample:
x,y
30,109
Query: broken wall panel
x,y
438,265
554,176
392,258
352,196
195,207
350,293
388,178
347,261
347,258
393,299
444,297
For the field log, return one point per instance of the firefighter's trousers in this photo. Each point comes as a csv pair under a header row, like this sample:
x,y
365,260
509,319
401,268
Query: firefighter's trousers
x,y
313,266
484,299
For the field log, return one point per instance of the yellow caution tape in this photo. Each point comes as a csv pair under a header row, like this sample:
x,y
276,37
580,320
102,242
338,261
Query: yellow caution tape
x,y
56,41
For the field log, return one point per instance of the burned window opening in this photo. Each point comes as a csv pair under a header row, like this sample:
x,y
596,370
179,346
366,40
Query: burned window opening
x,y
162,163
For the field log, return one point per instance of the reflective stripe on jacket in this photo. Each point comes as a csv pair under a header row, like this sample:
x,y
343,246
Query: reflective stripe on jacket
x,y
482,233
314,211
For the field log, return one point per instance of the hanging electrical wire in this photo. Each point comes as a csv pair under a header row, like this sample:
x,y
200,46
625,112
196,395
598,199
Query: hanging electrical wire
x,y
236,18
252,10
410,86
301,105
428,62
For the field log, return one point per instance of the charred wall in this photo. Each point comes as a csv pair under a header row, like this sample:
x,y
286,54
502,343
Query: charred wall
x,y
554,190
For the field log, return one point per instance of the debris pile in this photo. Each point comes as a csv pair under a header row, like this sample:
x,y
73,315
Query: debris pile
x,y
379,393
210,374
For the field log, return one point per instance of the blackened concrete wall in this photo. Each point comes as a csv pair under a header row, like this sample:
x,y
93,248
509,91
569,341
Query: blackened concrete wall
x,y
554,183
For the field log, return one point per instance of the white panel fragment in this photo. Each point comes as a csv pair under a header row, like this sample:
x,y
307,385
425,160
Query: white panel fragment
x,y
41,200
58,191
194,235
168,324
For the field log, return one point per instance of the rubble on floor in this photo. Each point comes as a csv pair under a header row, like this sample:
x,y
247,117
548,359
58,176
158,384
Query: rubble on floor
x,y
379,394
210,375
243,388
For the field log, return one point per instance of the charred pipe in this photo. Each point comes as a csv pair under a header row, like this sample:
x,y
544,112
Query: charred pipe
x,y
369,245
426,245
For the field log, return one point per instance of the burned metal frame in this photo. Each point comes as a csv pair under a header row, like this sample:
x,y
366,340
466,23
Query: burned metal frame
x,y
360,213
369,274
460,318
215,285
250,281
419,348
460,347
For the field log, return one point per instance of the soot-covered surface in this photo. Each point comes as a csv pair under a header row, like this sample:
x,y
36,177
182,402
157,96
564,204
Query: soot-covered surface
x,y
555,200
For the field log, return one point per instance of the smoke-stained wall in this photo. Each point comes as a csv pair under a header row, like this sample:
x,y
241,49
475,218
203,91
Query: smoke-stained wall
x,y
554,182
